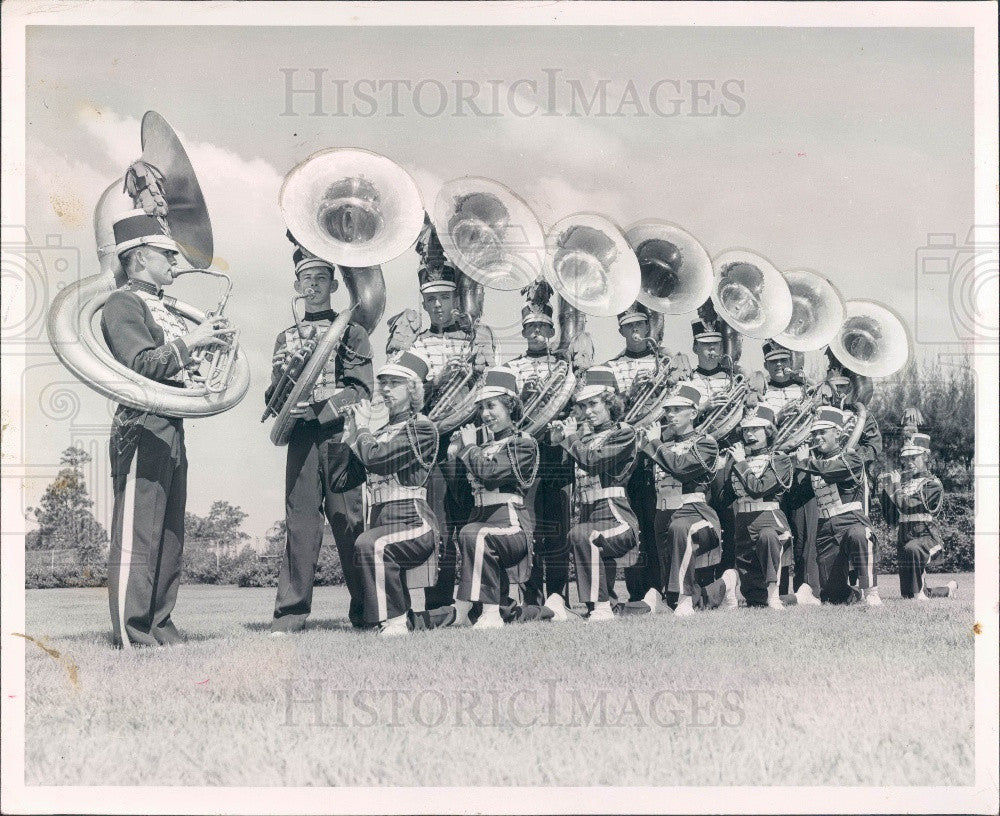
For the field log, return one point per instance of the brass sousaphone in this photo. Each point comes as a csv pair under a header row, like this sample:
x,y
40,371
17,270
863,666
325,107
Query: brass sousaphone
x,y
217,380
357,210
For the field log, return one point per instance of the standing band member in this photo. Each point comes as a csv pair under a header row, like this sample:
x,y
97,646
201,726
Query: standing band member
x,y
604,453
689,534
911,501
402,531
549,498
783,387
321,476
498,535
148,458
757,479
637,362
845,540
710,378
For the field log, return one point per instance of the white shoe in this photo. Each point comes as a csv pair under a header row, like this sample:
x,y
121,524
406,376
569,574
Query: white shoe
x,y
489,620
462,609
394,627
952,589
804,596
652,600
731,578
774,600
601,612
685,607
872,597
557,604
277,634
921,597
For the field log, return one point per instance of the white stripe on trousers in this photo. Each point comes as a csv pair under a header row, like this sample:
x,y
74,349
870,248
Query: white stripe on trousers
x,y
480,551
128,534
596,561
689,550
380,545
871,557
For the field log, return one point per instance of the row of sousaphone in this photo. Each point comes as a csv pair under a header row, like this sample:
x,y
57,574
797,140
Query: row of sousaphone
x,y
359,210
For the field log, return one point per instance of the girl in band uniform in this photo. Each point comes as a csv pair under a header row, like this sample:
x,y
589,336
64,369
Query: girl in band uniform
x,y
604,452
498,535
402,532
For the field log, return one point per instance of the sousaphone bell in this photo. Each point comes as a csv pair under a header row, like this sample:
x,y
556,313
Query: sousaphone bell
x,y
872,341
750,294
817,311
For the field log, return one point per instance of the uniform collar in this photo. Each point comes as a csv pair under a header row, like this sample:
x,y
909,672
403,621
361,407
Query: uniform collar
x,y
507,432
326,314
145,286
636,354
530,353
688,435
788,384
712,373
451,327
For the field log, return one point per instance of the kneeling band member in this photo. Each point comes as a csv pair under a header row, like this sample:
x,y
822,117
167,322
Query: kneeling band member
x,y
604,453
756,479
691,541
402,532
844,537
912,500
498,535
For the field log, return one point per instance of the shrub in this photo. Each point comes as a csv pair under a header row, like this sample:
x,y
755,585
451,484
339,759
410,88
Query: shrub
x,y
957,519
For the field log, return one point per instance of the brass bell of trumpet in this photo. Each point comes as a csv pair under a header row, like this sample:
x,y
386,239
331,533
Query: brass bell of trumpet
x,y
750,294
222,377
351,206
489,233
589,263
817,311
872,341
676,270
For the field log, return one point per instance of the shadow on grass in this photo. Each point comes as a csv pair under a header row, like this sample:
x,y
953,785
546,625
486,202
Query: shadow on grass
x,y
325,624
104,638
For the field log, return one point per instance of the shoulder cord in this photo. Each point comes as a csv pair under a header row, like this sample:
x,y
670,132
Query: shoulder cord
x,y
523,483
348,354
791,474
854,474
923,499
711,468
411,437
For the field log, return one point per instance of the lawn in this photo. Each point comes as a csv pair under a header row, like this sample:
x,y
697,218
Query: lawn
x,y
811,696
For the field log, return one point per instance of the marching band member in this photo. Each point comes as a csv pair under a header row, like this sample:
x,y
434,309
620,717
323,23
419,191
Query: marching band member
x,y
783,387
398,457
446,339
688,530
757,478
604,452
321,477
550,497
844,536
498,536
911,501
638,360
148,457
710,378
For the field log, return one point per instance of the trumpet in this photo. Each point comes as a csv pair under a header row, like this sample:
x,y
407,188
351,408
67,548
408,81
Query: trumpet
x,y
293,366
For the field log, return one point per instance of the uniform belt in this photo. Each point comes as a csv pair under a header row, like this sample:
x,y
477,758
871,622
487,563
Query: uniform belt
x,y
669,501
905,518
591,496
692,498
839,509
486,498
748,506
322,393
401,493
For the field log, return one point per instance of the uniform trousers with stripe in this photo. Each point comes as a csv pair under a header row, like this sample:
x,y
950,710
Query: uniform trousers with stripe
x,y
803,518
645,573
607,530
321,478
845,543
915,553
550,562
496,539
693,537
450,497
402,535
761,540
149,476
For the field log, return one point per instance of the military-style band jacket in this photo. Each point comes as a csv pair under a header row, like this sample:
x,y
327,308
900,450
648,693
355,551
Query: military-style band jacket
x,y
709,383
763,477
837,481
439,345
628,365
143,334
603,457
398,458
683,466
504,466
913,504
779,396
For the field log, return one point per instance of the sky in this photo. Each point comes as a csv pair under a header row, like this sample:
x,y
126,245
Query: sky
x,y
838,150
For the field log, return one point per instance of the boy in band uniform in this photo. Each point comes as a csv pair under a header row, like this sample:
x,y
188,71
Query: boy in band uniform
x,y
911,500
321,475
688,531
148,457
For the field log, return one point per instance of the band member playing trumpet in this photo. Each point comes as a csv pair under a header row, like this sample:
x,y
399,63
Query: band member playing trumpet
x,y
638,361
687,529
911,500
148,458
321,476
550,497
498,536
402,532
604,451
756,479
844,537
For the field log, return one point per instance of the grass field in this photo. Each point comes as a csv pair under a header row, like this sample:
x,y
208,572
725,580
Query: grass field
x,y
811,696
